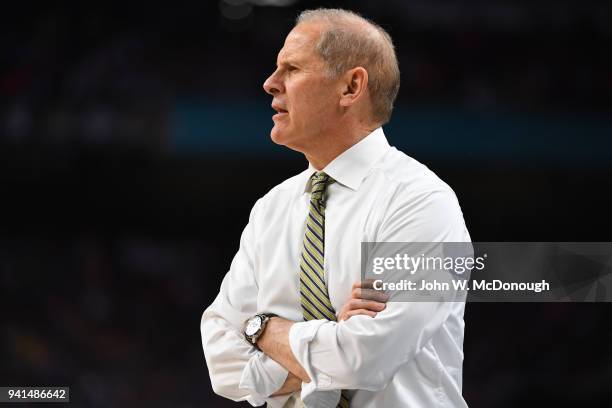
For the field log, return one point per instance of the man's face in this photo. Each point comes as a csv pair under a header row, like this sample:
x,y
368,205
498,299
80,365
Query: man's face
x,y
305,99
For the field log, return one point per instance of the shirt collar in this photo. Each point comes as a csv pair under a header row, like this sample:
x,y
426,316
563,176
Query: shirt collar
x,y
352,165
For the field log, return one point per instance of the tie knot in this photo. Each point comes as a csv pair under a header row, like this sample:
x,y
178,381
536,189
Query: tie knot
x,y
319,177
319,183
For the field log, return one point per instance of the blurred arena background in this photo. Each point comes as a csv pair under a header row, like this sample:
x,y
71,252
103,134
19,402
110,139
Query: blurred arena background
x,y
134,141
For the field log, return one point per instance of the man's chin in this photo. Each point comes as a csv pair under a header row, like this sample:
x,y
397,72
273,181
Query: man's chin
x,y
278,136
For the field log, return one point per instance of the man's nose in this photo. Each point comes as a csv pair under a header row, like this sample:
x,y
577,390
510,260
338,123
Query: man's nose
x,y
272,85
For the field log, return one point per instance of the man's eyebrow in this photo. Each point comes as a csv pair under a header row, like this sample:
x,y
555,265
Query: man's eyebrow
x,y
287,62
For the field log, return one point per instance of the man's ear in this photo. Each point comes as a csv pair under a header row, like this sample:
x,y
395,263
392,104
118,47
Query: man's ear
x,y
354,84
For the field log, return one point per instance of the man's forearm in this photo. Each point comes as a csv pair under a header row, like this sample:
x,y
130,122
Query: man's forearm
x,y
275,343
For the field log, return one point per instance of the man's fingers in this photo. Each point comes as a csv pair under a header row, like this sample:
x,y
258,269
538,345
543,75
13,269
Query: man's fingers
x,y
357,312
359,304
365,300
370,294
364,284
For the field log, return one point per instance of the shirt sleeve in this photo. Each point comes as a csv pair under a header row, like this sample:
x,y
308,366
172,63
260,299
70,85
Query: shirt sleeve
x,y
363,352
238,370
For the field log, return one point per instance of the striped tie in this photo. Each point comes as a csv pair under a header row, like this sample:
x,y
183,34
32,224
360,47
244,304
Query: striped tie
x,y
313,290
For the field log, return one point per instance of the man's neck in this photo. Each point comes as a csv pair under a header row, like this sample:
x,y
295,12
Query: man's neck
x,y
333,148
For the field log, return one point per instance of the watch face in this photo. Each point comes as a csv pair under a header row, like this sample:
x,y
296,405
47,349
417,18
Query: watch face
x,y
253,325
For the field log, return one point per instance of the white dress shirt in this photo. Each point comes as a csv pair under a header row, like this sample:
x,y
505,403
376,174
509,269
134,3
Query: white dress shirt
x,y
409,355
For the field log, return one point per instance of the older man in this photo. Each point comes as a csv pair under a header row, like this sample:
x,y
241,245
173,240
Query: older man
x,y
312,337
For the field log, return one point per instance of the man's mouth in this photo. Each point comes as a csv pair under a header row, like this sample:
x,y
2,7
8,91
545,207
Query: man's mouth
x,y
279,110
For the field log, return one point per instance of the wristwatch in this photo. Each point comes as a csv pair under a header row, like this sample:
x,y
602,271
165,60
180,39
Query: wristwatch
x,y
255,326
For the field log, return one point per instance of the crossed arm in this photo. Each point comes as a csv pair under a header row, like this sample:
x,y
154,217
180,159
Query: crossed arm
x,y
274,341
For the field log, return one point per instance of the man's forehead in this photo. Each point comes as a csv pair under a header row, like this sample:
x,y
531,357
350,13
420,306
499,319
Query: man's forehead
x,y
300,41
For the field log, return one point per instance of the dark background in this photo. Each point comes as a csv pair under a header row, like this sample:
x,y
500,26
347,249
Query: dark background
x,y
134,141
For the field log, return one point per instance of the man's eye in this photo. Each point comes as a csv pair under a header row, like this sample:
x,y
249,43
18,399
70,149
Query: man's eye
x,y
291,68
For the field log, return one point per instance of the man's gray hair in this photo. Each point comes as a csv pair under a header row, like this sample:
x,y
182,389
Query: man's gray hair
x,y
348,41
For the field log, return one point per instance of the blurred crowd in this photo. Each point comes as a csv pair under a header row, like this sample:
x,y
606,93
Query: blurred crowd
x,y
116,320
95,75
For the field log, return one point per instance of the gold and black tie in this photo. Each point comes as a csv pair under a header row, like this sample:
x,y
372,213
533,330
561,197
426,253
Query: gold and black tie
x,y
314,296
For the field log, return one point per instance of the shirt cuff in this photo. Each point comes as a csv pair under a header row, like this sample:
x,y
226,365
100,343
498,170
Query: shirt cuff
x,y
262,376
300,336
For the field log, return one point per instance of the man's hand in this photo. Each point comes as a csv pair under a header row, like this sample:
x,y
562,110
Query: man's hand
x,y
292,384
365,300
